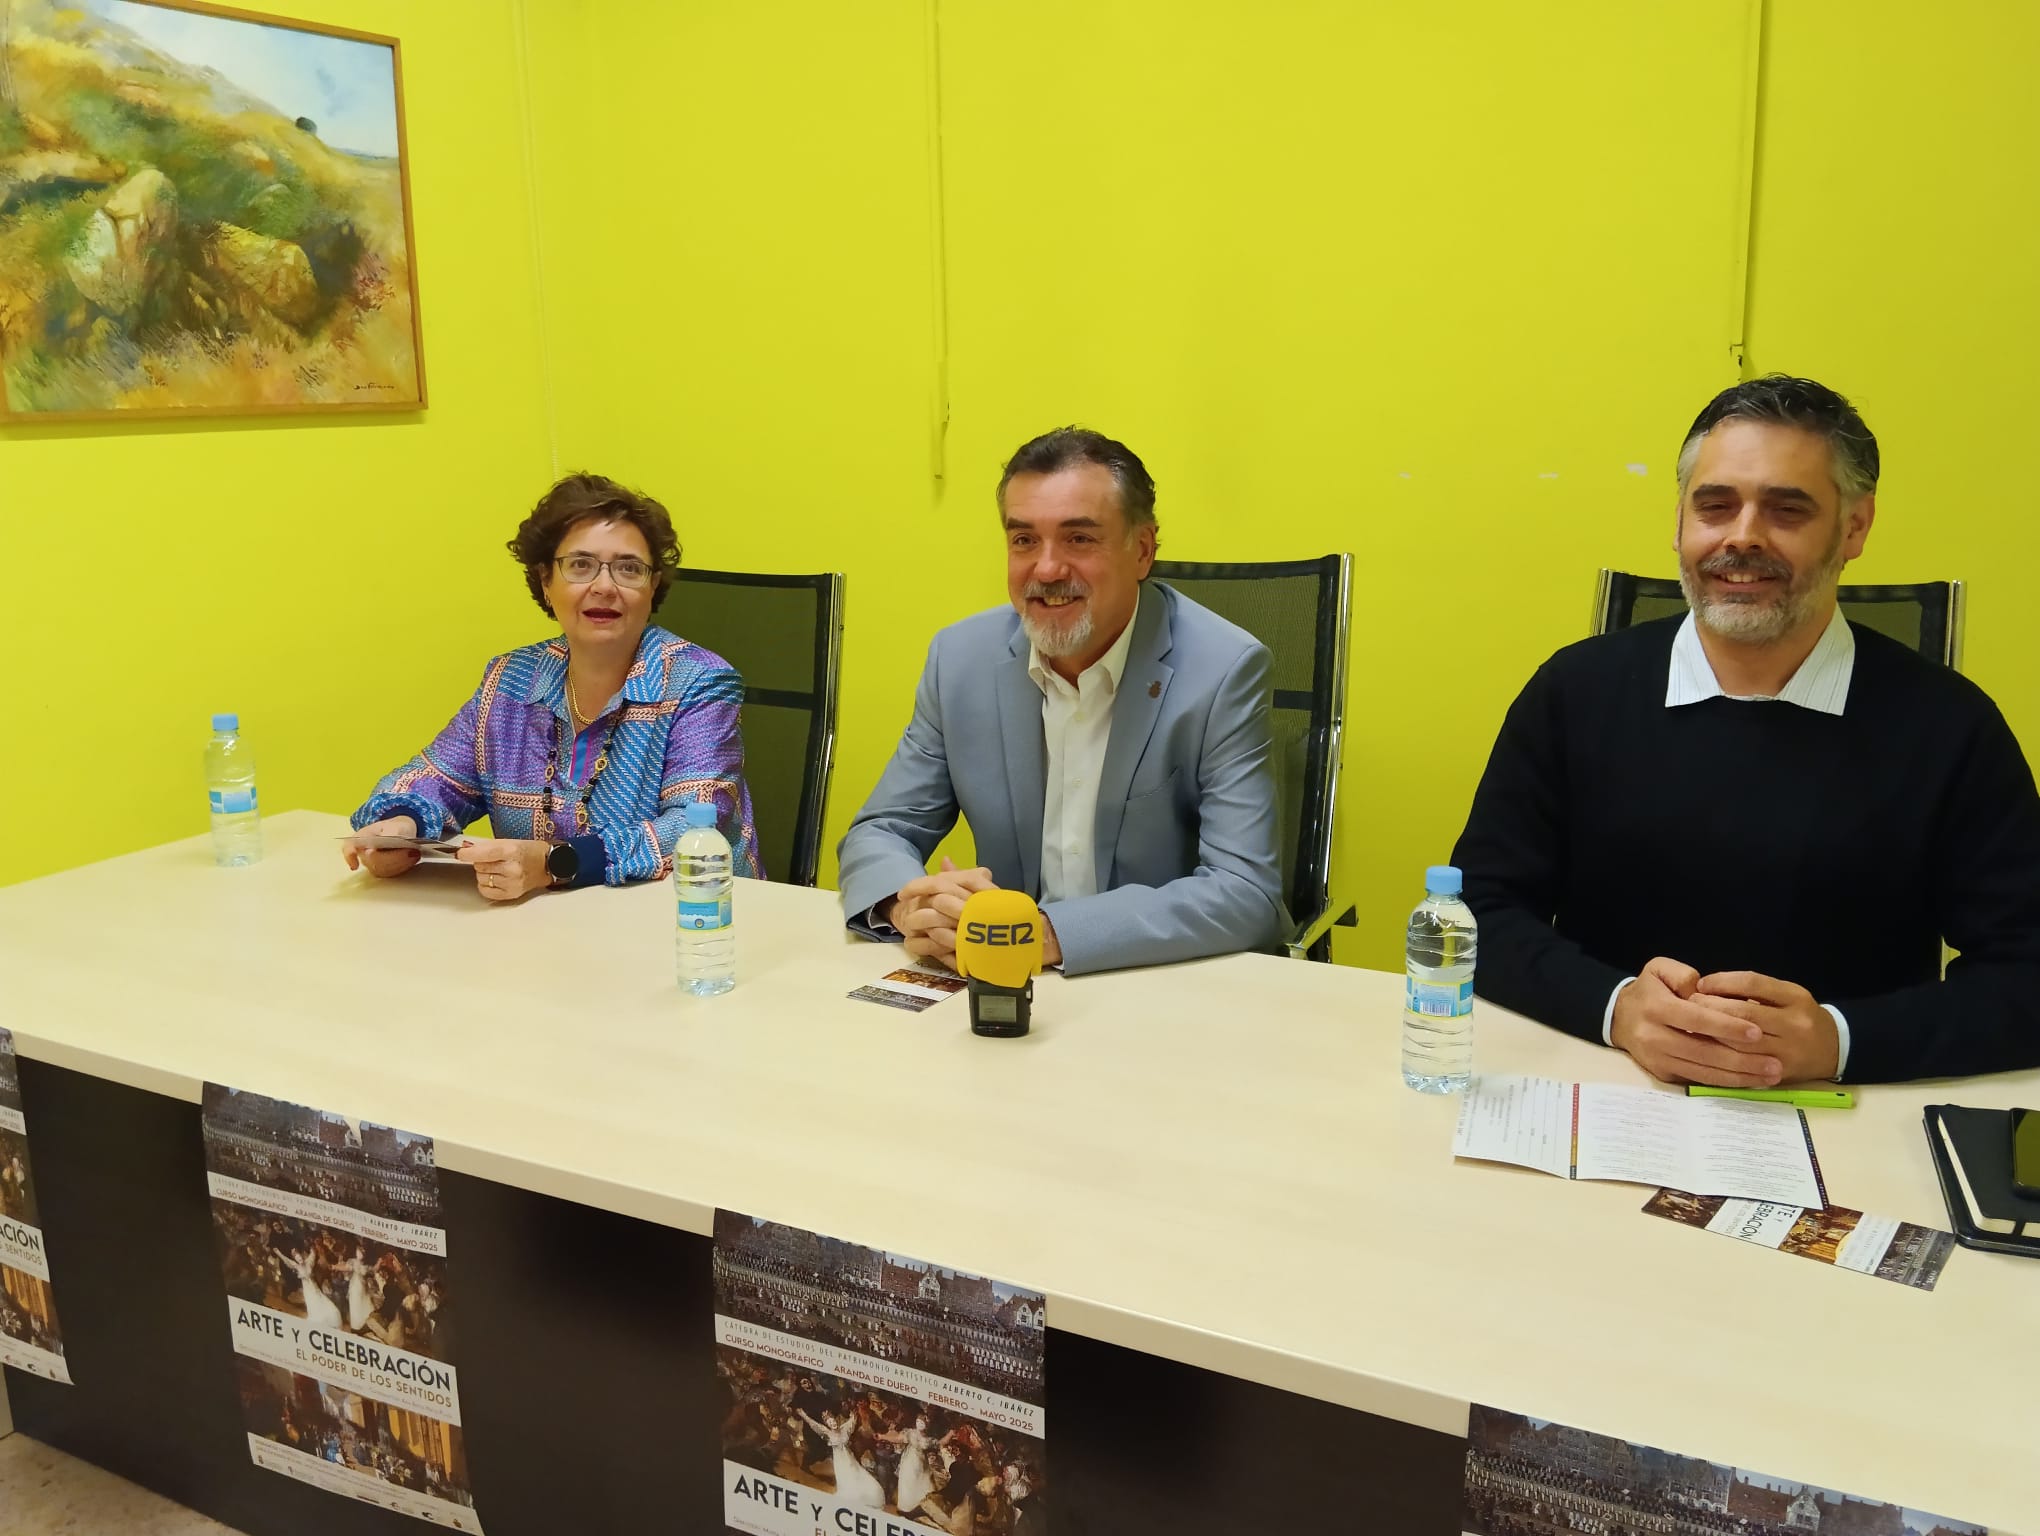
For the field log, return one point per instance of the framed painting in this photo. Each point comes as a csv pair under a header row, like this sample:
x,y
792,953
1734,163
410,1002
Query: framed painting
x,y
202,210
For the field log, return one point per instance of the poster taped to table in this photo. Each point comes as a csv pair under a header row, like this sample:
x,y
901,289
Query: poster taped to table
x,y
868,1392
30,1339
337,1303
1531,1475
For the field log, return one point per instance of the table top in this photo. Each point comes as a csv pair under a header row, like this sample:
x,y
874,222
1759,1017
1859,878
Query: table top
x,y
1215,1162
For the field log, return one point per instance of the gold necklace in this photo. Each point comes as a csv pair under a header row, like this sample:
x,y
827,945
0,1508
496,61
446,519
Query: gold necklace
x,y
573,703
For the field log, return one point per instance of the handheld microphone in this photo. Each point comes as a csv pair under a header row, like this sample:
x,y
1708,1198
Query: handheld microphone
x,y
998,950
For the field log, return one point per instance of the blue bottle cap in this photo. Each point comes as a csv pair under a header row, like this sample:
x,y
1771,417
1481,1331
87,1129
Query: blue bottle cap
x,y
700,814
226,722
1441,880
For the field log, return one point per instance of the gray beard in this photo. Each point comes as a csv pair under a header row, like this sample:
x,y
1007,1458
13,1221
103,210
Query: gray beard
x,y
1058,640
1761,623
1754,622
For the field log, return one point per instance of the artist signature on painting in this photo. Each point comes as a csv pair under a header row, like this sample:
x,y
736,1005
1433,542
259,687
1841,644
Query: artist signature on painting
x,y
373,385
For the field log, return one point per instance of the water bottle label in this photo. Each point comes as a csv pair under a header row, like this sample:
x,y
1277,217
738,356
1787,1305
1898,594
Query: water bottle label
x,y
702,916
232,802
1440,999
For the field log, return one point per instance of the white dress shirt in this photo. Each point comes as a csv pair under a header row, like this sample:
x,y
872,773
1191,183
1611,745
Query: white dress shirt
x,y
1821,684
1076,723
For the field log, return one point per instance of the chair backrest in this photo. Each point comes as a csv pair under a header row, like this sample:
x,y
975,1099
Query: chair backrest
x,y
784,634
1925,617
1299,610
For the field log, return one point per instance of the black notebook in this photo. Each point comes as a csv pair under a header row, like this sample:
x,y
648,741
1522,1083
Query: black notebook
x,y
1973,1155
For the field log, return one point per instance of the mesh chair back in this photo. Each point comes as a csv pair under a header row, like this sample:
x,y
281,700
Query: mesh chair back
x,y
1297,608
1925,617
784,635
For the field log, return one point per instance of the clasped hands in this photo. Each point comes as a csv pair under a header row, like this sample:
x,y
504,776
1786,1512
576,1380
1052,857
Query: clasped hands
x,y
1733,1029
505,867
927,910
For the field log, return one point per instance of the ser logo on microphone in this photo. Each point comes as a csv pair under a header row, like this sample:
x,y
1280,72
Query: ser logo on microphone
x,y
1007,934
998,950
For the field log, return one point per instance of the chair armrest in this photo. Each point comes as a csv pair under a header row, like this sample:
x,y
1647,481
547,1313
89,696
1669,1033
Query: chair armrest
x,y
1317,925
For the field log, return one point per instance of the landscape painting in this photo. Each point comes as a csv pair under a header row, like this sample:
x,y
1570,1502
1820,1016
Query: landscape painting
x,y
201,210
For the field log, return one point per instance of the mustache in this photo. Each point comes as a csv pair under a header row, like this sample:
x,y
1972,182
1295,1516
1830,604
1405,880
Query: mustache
x,y
1057,589
1728,563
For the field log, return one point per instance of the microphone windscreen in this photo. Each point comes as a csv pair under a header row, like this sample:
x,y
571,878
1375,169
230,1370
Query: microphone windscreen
x,y
998,938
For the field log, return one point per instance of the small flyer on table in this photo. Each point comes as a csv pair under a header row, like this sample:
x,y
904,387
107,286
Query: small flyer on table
x,y
911,988
872,1394
1530,1477
331,1242
29,1337
1870,1245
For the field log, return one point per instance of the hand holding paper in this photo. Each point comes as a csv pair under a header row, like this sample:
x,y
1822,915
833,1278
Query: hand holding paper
x,y
392,846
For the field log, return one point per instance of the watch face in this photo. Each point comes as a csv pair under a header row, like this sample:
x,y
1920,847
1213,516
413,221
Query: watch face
x,y
562,863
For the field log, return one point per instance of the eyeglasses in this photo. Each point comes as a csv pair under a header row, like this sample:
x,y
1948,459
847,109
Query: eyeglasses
x,y
579,570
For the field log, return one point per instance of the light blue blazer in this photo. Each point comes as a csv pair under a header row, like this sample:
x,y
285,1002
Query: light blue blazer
x,y
1186,830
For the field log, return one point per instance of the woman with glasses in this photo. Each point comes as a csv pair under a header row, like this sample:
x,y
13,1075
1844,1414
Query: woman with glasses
x,y
583,749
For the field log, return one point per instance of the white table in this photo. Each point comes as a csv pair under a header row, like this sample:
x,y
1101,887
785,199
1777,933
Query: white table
x,y
1216,1163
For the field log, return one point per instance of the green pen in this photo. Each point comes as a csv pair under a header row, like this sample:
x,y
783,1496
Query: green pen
x,y
1805,1098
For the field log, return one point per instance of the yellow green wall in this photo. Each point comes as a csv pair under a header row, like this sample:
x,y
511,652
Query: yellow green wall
x,y
1438,285
1416,283
1898,239
337,581
735,209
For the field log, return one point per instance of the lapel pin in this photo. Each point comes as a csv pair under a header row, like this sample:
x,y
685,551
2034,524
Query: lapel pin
x,y
1155,689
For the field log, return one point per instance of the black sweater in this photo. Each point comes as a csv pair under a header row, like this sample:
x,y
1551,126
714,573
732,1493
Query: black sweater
x,y
1832,851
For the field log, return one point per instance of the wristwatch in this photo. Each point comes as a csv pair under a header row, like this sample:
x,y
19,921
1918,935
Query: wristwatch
x,y
562,863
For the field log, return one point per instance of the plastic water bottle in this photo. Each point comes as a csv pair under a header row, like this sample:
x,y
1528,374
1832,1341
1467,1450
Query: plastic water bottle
x,y
705,942
1437,1040
230,783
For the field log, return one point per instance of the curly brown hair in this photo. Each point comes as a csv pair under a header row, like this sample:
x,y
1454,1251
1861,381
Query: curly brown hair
x,y
577,499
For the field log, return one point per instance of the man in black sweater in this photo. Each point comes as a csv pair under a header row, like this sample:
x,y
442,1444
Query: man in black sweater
x,y
1733,844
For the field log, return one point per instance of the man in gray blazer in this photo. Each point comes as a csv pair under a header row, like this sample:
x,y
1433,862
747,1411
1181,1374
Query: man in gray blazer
x,y
1105,737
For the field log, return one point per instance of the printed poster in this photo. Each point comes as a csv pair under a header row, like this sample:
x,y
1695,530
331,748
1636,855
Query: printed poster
x,y
335,1261
29,1337
874,1394
1527,1476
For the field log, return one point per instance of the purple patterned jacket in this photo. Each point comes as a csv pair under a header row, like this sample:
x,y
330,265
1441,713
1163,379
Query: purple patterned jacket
x,y
672,738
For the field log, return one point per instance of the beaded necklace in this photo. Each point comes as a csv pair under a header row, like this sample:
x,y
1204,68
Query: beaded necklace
x,y
562,746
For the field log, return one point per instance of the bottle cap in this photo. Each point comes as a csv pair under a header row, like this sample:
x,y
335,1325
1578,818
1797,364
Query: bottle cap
x,y
1441,880
700,814
226,722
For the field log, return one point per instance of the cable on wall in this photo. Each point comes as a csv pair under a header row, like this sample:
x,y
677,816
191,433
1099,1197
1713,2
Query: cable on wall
x,y
938,254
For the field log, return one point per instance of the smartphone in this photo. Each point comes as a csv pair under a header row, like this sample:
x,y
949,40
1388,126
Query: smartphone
x,y
2026,1152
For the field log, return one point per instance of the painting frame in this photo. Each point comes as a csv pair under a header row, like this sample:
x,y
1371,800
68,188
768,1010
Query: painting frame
x,y
13,416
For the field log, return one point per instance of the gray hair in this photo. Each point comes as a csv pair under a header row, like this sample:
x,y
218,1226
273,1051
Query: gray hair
x,y
1785,401
1067,447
